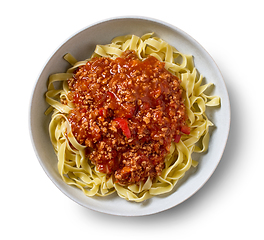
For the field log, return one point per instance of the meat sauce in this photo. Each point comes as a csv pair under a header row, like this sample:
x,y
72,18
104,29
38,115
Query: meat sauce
x,y
127,112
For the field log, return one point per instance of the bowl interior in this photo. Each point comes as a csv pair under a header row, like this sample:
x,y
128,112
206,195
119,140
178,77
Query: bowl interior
x,y
81,46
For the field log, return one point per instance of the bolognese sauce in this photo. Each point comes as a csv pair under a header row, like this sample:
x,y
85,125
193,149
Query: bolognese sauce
x,y
127,112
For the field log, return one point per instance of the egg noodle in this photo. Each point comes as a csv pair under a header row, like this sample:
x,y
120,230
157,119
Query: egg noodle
x,y
74,166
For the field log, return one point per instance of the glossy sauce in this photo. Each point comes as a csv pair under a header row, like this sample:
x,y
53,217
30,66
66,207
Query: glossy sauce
x,y
127,113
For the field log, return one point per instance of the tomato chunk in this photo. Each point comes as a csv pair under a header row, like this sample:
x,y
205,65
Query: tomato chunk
x,y
177,138
186,130
102,112
122,122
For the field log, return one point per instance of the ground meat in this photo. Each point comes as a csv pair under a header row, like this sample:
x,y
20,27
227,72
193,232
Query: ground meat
x,y
127,112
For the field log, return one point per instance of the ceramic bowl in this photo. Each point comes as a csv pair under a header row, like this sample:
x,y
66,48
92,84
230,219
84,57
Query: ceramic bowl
x,y
81,45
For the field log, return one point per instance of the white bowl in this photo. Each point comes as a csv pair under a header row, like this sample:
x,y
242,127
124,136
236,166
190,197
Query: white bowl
x,y
81,46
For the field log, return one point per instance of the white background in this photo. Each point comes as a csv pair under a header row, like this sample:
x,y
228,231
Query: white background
x,y
231,203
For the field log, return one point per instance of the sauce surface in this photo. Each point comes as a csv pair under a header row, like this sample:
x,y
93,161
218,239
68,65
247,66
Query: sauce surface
x,y
127,112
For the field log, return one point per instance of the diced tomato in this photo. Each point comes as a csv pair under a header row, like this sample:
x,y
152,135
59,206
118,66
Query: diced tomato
x,y
186,130
102,112
122,122
177,138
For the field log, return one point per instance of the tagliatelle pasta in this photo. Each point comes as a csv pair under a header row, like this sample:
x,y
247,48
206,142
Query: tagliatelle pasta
x,y
74,165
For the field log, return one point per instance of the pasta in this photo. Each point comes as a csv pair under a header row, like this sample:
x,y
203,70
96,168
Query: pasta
x,y
75,167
